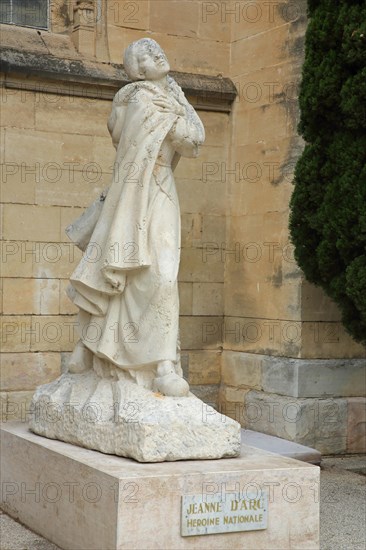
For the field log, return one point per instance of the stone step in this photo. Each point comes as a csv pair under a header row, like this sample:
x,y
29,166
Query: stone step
x,y
280,446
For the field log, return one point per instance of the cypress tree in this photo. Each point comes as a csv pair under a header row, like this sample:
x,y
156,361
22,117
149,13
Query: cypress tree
x,y
328,206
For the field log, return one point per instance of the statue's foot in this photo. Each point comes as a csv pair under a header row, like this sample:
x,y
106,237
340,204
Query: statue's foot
x,y
81,359
171,385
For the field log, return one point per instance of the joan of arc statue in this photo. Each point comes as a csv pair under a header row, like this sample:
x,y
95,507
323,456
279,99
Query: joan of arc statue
x,y
125,286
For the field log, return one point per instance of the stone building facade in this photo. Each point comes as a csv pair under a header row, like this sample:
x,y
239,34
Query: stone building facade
x,y
258,341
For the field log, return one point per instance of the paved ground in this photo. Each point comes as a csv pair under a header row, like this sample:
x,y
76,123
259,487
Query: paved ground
x,y
342,511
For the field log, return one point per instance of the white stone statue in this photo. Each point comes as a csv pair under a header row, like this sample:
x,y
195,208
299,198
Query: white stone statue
x,y
128,298
125,371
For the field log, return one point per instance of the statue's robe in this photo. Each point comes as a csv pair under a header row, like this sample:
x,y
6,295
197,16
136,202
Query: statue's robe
x,y
125,286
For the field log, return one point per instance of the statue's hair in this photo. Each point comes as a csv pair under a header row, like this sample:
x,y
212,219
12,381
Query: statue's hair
x,y
130,61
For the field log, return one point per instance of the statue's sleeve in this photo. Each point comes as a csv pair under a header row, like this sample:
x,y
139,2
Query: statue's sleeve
x,y
116,119
188,132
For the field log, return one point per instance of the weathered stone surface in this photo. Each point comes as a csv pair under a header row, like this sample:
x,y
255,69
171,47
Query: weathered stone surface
x,y
185,298
28,40
15,112
333,377
51,119
241,369
191,228
356,425
60,16
52,333
19,222
25,371
280,375
262,17
180,17
209,157
18,406
208,298
204,367
122,418
3,405
318,423
329,340
43,264
232,402
262,335
199,265
123,14
217,128
261,53
15,333
314,378
316,305
203,197
13,188
200,332
38,296
208,393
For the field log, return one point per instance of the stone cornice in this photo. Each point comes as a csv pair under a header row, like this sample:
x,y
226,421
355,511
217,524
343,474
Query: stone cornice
x,y
81,77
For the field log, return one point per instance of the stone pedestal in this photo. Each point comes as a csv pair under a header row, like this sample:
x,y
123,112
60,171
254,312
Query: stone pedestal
x,y
79,498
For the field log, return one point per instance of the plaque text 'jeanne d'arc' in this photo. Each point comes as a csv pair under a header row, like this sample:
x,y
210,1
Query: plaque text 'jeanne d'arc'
x,y
207,514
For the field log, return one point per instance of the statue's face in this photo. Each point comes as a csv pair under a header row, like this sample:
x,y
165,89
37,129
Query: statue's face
x,y
153,64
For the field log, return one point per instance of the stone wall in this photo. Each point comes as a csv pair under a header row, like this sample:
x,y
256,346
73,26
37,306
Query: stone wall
x,y
57,157
255,335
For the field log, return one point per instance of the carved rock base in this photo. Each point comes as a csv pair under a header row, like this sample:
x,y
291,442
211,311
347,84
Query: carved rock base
x,y
121,418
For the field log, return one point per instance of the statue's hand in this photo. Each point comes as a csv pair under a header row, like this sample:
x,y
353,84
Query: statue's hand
x,y
167,106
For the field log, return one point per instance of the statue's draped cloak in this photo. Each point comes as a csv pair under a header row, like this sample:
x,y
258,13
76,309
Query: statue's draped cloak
x,y
126,283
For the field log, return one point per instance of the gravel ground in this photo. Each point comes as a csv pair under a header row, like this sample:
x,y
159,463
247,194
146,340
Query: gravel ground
x,y
13,536
342,511
343,504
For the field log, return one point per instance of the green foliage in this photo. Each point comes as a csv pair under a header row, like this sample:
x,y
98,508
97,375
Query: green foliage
x,y
328,206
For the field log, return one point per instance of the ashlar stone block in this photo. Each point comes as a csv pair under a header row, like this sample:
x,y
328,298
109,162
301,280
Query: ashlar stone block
x,y
318,423
241,369
25,371
314,377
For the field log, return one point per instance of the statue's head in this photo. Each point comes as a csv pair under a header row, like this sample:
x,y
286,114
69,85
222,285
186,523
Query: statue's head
x,y
145,60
